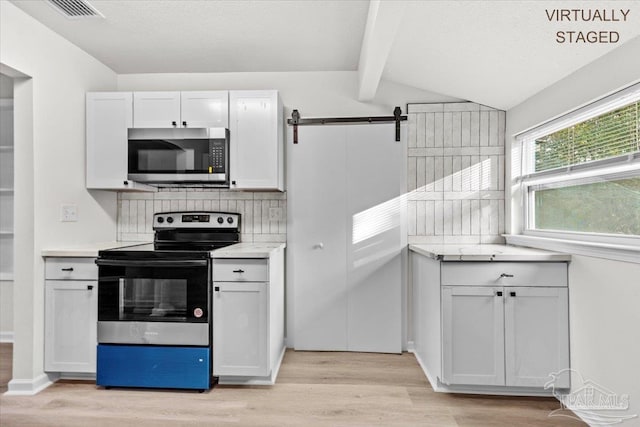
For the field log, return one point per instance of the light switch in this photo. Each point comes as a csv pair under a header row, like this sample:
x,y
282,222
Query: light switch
x,y
275,214
68,213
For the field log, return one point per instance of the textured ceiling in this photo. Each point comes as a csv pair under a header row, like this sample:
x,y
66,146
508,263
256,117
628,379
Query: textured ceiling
x,y
162,36
496,53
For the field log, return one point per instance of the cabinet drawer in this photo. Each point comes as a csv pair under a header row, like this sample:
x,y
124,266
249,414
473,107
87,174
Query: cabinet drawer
x,y
240,270
71,269
504,273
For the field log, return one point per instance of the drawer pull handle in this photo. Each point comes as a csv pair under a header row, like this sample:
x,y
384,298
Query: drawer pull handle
x,y
513,294
68,269
89,287
238,271
506,275
499,293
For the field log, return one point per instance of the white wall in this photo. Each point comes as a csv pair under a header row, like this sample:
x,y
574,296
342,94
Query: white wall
x,y
313,94
49,158
604,295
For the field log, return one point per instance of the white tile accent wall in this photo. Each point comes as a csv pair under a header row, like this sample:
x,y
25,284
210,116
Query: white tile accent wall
x,y
135,211
455,174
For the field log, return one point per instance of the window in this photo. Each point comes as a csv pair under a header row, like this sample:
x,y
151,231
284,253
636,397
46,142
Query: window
x,y
581,173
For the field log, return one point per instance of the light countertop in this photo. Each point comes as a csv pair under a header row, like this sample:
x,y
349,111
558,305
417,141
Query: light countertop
x,y
89,250
487,253
239,250
248,250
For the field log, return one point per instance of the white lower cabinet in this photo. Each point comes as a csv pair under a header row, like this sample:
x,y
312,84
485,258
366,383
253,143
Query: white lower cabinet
x,y
536,322
472,336
71,308
496,336
240,329
248,318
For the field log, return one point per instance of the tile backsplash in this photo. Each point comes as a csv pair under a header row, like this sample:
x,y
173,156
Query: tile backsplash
x,y
135,211
455,174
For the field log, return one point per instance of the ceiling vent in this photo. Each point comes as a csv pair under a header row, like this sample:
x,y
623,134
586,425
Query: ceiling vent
x,y
75,9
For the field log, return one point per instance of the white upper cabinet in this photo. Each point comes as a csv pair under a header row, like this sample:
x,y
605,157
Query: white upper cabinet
x,y
156,109
205,109
109,114
256,145
200,109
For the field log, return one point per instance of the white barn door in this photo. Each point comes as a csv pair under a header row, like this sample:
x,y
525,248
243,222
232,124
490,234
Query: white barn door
x,y
346,234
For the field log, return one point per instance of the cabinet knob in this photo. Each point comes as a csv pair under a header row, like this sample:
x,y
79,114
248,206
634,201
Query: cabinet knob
x,y
174,124
68,269
318,245
499,293
513,294
506,275
233,183
184,124
89,287
126,182
217,288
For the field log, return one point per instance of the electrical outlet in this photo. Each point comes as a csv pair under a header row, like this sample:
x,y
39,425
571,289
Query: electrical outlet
x,y
275,214
68,213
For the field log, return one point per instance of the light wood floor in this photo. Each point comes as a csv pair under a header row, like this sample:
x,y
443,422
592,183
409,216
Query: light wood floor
x,y
313,389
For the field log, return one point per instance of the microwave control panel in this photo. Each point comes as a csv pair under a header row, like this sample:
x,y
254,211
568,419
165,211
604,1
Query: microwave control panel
x,y
218,156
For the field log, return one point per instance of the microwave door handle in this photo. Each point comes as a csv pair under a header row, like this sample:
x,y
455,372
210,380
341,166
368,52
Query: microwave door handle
x,y
152,263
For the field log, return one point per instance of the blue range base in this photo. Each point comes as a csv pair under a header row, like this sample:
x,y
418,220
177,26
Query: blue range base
x,y
153,366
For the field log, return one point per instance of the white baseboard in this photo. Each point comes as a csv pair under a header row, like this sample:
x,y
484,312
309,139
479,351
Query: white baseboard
x,y
29,387
6,336
268,380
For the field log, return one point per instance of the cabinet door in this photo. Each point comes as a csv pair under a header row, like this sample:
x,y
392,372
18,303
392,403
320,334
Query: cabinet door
x,y
240,329
109,114
205,109
71,326
156,109
256,144
472,335
536,335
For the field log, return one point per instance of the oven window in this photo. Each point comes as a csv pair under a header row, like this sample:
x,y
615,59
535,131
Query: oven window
x,y
169,156
153,294
161,299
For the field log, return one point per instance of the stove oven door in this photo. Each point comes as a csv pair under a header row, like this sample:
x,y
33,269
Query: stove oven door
x,y
153,301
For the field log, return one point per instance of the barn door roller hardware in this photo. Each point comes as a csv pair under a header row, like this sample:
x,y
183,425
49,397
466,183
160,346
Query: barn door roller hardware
x,y
296,121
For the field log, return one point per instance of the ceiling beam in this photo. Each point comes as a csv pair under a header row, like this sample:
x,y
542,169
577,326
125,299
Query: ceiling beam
x,y
382,24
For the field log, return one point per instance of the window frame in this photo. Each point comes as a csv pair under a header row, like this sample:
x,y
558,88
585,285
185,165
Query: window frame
x,y
614,246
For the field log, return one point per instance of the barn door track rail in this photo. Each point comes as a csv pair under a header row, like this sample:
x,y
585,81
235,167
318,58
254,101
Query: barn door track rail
x,y
296,121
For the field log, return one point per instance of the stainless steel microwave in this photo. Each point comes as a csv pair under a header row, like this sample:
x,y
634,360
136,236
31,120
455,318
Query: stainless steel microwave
x,y
179,156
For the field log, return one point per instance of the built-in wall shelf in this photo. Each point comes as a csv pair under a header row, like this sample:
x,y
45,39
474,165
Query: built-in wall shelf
x,y
6,233
4,148
6,277
6,190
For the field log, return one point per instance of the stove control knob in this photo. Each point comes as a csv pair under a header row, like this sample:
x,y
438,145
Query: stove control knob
x,y
169,220
220,220
230,220
160,220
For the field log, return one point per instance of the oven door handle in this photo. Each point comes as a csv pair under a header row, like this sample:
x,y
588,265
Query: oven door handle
x,y
152,263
